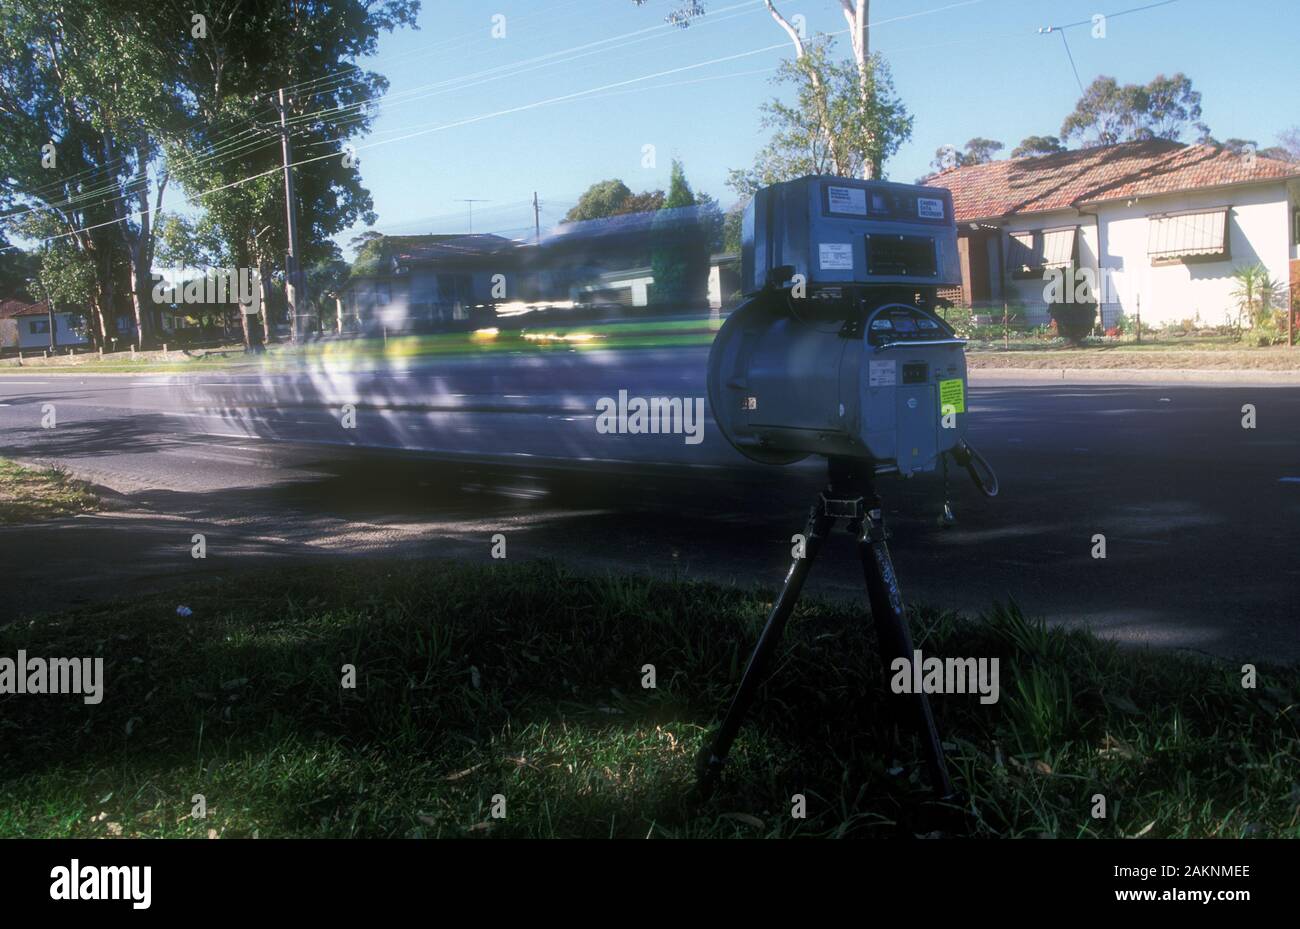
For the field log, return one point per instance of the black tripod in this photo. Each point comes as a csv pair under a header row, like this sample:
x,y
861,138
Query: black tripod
x,y
849,495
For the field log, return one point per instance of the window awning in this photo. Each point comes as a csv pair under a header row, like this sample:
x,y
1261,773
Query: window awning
x,y
1186,235
1058,247
1021,255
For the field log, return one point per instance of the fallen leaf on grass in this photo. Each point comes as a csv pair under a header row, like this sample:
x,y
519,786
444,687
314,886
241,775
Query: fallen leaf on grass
x,y
1112,746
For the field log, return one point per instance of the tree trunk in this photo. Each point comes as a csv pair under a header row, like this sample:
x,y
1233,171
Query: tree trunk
x,y
858,15
267,335
139,247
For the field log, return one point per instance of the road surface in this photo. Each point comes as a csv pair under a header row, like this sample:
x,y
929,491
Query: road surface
x,y
1199,514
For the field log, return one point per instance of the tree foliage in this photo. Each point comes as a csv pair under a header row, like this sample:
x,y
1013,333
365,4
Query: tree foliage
x,y
838,124
1033,145
613,198
132,95
978,151
679,257
1109,113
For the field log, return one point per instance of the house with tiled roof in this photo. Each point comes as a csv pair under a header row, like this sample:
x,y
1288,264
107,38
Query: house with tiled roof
x,y
1160,225
412,282
465,281
25,326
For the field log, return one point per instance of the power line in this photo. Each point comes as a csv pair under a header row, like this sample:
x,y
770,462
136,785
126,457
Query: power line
x,y
514,69
428,128
1045,30
1136,9
229,148
454,124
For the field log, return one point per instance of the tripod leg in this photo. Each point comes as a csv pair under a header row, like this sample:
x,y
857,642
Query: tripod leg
x,y
714,754
895,639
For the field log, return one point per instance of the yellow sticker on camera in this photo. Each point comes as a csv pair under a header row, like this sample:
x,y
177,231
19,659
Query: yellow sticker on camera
x,y
952,396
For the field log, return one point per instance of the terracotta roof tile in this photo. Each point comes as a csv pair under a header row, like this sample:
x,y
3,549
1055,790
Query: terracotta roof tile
x,y
1094,175
11,308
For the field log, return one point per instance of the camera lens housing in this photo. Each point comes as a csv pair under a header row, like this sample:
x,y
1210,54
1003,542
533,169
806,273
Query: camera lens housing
x,y
839,351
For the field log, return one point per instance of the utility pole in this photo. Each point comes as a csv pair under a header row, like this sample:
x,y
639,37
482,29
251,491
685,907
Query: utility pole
x,y
471,202
537,219
291,264
49,309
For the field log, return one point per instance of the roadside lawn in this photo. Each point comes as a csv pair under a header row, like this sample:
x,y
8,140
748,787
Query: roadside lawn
x,y
1207,353
28,494
524,683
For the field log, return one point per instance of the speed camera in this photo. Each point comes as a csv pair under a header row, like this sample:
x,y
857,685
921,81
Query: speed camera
x,y
838,349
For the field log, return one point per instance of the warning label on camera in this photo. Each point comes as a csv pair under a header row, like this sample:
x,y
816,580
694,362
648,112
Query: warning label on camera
x,y
952,394
882,374
847,200
835,256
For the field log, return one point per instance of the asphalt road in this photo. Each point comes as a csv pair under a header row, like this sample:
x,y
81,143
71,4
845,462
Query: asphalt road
x,y
1199,514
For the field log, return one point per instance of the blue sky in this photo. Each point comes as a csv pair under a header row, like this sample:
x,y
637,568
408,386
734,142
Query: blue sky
x,y
576,89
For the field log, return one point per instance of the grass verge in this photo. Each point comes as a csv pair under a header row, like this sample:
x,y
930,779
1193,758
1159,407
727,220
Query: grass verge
x,y
525,682
28,494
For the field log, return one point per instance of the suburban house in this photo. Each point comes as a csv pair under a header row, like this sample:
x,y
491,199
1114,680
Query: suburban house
x,y
423,282
610,260
440,282
1161,225
25,326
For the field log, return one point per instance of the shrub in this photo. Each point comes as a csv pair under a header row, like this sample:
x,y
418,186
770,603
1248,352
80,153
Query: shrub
x,y
1073,321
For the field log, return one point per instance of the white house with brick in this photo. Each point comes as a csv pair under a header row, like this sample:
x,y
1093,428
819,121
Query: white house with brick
x,y
25,326
1162,226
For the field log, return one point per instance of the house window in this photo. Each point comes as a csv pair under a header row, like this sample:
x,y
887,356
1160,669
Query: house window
x,y
39,327
383,293
1058,247
1295,227
1030,253
1024,253
1195,235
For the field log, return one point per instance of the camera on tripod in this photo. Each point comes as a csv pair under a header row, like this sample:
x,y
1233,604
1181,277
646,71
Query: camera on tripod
x,y
838,349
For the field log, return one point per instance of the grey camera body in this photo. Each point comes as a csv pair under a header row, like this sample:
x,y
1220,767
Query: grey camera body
x,y
855,363
835,230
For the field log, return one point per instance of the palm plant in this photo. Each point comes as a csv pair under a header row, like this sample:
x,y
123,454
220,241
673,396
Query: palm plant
x,y
1257,295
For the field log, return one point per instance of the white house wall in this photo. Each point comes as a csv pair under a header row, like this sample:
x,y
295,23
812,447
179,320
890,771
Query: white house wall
x,y
1258,231
1028,292
68,334
1115,241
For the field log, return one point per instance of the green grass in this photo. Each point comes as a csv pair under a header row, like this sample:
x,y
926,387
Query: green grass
x,y
525,681
29,494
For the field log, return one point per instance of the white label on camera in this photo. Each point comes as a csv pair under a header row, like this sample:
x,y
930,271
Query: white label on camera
x,y
847,200
928,208
835,256
882,374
